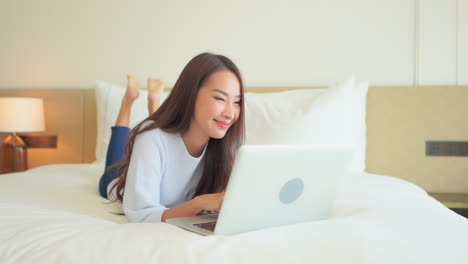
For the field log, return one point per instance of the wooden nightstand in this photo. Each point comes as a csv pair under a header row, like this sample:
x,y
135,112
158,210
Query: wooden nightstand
x,y
457,202
4,172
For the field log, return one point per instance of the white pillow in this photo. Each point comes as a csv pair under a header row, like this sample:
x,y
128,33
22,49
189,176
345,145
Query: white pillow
x,y
108,101
270,117
335,115
359,124
318,116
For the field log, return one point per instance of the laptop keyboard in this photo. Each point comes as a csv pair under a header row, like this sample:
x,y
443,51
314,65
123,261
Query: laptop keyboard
x,y
208,226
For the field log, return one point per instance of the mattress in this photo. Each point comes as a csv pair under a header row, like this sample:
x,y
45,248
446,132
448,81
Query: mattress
x,y
54,214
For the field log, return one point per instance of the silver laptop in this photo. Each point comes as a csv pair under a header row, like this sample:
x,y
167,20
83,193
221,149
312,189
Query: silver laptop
x,y
273,185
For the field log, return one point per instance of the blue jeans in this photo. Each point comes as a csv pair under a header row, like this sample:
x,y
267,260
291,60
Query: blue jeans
x,y
115,153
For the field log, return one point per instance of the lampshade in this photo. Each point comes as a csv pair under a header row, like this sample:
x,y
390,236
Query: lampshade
x,y
21,114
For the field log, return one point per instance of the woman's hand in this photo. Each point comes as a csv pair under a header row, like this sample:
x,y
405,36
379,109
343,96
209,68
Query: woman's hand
x,y
209,202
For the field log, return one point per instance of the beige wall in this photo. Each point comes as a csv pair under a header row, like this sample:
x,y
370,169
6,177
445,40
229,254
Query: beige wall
x,y
69,44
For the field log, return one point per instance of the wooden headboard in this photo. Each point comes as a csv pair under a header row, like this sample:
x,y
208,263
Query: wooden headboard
x,y
399,122
71,115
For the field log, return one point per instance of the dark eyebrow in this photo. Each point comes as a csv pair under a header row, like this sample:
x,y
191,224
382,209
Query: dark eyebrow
x,y
223,92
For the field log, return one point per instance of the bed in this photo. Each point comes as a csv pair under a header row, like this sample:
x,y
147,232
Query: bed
x,y
54,214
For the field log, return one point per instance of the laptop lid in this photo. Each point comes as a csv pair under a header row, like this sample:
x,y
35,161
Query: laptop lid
x,y
272,185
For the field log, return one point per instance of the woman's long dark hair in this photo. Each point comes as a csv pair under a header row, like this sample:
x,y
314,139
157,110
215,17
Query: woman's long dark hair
x,y
175,115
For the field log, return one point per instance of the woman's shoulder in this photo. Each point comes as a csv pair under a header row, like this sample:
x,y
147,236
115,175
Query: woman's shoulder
x,y
157,134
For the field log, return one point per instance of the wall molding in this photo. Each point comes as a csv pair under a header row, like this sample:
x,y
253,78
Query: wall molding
x,y
416,44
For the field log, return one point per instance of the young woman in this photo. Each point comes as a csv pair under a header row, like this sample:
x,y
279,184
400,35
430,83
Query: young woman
x,y
177,162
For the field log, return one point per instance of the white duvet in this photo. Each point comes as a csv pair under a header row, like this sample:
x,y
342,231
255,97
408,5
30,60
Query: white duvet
x,y
54,214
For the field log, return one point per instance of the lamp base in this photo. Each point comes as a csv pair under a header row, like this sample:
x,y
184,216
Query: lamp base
x,y
15,156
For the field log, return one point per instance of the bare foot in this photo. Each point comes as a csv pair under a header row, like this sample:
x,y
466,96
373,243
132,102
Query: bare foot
x,y
155,90
133,89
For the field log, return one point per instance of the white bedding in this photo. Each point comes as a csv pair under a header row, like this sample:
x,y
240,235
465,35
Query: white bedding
x,y
54,214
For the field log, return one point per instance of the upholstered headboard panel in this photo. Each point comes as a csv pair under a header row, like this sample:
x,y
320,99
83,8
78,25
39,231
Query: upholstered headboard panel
x,y
399,122
69,114
401,119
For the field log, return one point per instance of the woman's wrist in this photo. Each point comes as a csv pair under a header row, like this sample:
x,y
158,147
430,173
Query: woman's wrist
x,y
195,203
189,208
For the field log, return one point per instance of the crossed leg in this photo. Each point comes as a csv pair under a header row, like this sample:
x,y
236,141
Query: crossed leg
x,y
155,89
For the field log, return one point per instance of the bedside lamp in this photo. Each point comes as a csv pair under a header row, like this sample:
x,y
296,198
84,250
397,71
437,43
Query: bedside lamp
x,y
19,114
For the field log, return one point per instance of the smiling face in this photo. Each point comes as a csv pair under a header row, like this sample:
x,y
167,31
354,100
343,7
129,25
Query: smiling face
x,y
218,105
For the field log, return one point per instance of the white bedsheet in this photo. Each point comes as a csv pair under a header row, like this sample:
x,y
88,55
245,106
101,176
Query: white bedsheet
x,y
54,214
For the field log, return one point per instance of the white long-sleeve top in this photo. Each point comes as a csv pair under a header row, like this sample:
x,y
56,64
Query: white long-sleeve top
x,y
160,174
